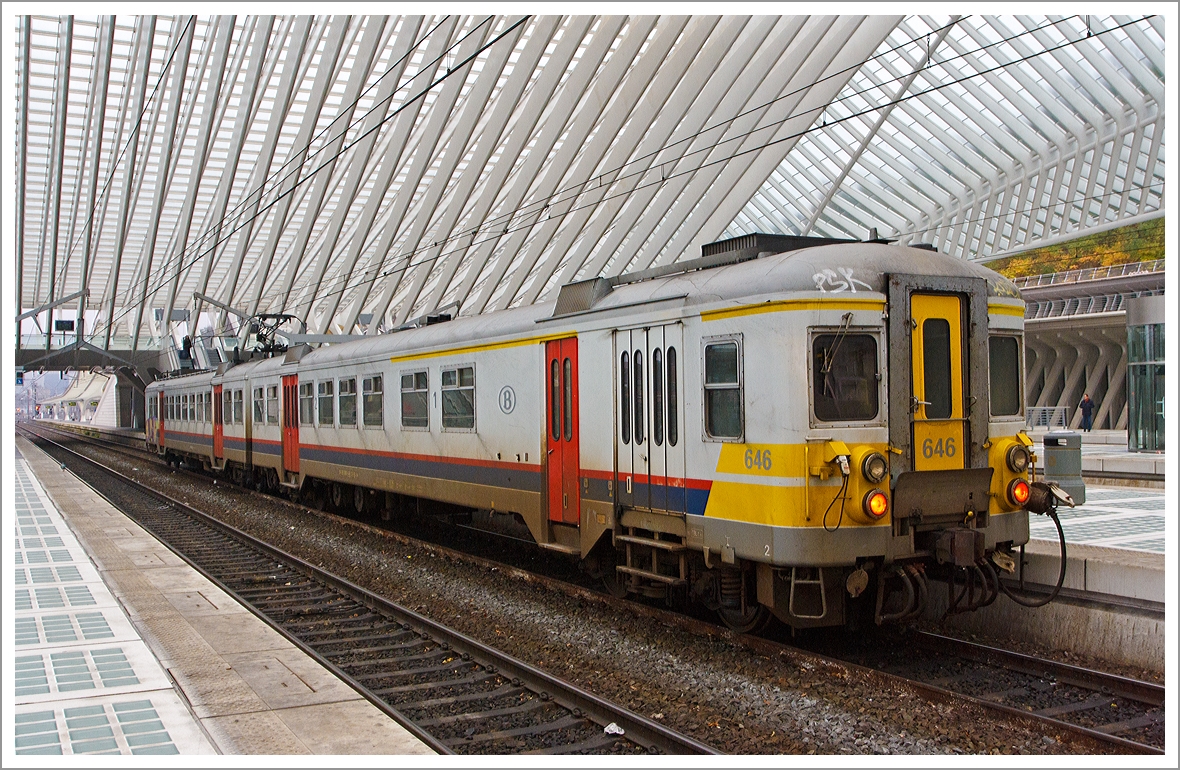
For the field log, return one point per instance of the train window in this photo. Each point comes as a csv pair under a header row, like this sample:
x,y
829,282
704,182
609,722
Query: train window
x,y
272,404
844,370
936,364
673,423
259,407
202,415
639,421
657,396
327,399
458,398
238,406
1004,366
227,406
567,406
625,394
554,400
372,400
347,402
415,401
723,390
306,403
185,408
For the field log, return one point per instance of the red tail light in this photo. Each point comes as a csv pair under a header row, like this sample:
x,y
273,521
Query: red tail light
x,y
1018,492
876,504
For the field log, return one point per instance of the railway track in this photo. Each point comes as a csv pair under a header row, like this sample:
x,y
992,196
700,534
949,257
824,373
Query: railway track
x,y
453,692
1093,706
1104,706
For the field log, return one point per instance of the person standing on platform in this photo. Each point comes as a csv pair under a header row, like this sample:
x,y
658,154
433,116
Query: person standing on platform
x,y
1087,407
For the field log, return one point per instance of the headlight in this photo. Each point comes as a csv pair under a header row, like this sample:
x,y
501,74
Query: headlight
x,y
1018,459
1018,492
874,467
876,504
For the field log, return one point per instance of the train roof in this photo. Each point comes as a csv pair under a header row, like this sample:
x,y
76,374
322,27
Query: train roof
x,y
860,267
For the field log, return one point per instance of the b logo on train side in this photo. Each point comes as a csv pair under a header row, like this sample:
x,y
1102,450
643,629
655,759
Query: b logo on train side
x,y
507,399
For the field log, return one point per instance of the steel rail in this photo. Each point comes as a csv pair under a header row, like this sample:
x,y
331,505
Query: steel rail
x,y
637,729
1115,685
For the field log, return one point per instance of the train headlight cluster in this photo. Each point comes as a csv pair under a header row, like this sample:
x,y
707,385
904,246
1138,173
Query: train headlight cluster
x,y
874,467
1019,492
1018,459
876,504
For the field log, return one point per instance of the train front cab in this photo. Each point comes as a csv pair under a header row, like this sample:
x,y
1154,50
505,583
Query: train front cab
x,y
946,473
946,505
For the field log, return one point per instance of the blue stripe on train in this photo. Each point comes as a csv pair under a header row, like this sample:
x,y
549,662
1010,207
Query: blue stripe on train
x,y
529,481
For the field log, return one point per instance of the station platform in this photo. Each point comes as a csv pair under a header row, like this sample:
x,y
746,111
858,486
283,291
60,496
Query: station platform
x,y
1112,603
122,648
1105,455
132,437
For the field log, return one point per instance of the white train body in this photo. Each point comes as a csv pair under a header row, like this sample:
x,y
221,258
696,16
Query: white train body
x,y
709,431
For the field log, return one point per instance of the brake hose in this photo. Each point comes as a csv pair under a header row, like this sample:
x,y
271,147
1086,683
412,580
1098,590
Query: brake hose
x,y
1052,513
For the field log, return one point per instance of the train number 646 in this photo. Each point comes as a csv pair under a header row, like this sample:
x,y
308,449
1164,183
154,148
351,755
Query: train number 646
x,y
941,448
758,458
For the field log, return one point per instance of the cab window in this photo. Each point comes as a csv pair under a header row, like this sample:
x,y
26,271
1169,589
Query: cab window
x,y
844,377
1004,368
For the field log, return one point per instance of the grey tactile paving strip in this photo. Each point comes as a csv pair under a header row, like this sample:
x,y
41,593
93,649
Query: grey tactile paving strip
x,y
1112,517
83,681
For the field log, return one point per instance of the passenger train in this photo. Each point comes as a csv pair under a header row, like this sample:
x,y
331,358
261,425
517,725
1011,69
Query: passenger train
x,y
792,427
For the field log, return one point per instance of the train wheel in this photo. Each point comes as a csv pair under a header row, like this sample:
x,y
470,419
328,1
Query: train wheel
x,y
272,480
336,497
753,620
614,583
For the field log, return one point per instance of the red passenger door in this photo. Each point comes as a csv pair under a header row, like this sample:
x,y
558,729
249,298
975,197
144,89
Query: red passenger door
x,y
160,411
561,430
291,423
218,425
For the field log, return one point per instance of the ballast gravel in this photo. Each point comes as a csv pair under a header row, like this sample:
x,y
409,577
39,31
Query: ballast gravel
x,y
703,685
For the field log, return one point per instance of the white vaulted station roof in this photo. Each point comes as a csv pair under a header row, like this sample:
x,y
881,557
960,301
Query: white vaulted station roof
x,y
361,171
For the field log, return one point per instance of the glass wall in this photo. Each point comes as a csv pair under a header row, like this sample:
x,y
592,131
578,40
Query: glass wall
x,y
1145,388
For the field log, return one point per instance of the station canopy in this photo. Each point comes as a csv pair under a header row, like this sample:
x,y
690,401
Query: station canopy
x,y
361,171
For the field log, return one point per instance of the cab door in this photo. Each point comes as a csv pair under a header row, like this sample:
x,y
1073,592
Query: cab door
x,y
218,424
938,372
561,430
290,412
940,430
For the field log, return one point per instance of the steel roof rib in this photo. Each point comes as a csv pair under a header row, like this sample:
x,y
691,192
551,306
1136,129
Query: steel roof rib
x,y
324,163
144,32
451,244
566,206
361,171
173,111
430,138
